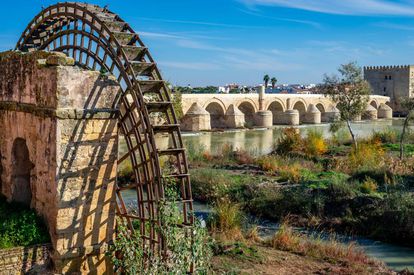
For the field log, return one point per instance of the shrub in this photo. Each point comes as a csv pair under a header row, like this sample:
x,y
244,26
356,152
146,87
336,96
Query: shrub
x,y
368,186
225,222
210,184
291,173
20,226
368,156
314,144
290,141
243,157
125,173
177,102
269,163
185,245
385,136
195,152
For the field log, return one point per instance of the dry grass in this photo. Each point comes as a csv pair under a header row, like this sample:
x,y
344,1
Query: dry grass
x,y
225,223
288,240
369,186
369,155
253,235
291,173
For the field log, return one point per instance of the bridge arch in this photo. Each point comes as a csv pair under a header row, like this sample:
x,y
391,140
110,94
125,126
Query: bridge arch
x,y
301,107
217,113
374,104
248,108
321,108
277,109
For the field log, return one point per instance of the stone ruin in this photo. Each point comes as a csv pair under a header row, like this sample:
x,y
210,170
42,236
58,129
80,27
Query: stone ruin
x,y
58,152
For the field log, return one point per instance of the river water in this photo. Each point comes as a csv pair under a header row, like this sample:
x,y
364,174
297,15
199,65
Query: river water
x,y
394,256
260,141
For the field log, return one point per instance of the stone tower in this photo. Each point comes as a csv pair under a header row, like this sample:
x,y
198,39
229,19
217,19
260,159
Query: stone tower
x,y
393,81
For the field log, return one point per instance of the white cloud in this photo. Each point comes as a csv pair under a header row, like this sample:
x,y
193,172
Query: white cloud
x,y
344,7
299,21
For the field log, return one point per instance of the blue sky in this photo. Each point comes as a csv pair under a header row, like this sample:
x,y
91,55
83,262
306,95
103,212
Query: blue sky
x,y
214,42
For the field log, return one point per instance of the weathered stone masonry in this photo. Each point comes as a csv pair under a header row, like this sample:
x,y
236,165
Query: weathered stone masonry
x,y
63,115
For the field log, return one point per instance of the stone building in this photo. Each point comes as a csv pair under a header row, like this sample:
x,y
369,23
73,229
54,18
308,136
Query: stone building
x,y
58,153
393,81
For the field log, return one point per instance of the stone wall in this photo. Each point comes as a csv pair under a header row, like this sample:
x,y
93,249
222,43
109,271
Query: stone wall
x,y
61,115
33,259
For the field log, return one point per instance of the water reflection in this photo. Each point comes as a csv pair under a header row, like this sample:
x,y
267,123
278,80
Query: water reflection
x,y
260,141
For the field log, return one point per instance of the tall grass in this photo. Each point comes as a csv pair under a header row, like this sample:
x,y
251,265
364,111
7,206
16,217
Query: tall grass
x,y
225,222
315,246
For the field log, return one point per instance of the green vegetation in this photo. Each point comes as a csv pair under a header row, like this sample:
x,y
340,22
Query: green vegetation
x,y
185,245
178,104
273,81
266,79
308,181
196,90
408,105
318,182
350,92
20,226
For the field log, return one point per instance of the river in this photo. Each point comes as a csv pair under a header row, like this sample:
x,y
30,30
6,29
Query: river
x,y
260,141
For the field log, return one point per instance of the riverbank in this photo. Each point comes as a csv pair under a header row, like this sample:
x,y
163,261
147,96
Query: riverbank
x,y
267,260
317,183
316,180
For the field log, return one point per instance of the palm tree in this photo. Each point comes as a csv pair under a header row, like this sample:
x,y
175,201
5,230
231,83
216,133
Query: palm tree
x,y
273,81
266,79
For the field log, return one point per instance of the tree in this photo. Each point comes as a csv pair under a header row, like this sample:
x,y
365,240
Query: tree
x,y
350,92
266,79
273,81
408,105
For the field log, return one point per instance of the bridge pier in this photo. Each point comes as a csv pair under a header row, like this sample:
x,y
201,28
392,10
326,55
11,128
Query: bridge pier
x,y
313,115
331,115
264,119
370,113
290,117
196,119
234,117
384,111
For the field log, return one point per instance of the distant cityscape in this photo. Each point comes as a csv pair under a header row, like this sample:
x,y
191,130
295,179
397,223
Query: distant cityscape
x,y
235,88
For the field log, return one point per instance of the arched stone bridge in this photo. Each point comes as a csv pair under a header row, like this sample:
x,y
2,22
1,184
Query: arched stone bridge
x,y
207,111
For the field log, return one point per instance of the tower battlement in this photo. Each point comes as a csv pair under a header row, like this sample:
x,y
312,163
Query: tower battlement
x,y
385,68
